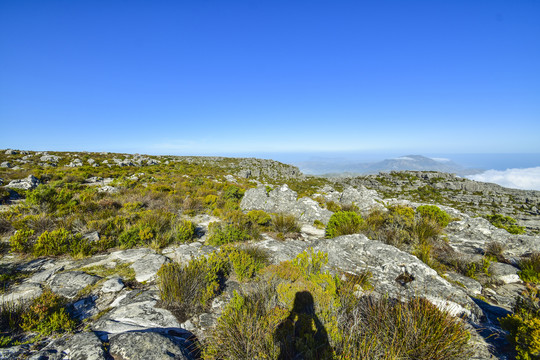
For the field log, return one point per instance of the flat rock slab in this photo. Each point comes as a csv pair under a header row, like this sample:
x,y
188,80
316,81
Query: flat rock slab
x,y
145,346
22,293
81,346
182,254
69,283
146,268
135,311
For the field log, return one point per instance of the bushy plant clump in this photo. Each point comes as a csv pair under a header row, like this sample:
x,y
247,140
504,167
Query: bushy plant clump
x,y
343,223
524,325
530,268
506,222
47,315
285,224
434,213
188,290
221,234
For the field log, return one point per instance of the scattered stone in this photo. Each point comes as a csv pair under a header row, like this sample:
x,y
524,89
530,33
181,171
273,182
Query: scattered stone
x,y
504,272
108,189
11,152
50,158
29,183
112,285
6,164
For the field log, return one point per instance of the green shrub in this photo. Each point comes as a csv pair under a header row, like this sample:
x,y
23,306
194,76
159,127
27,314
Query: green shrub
x,y
220,234
245,328
506,222
434,213
184,231
22,241
188,290
53,243
285,224
259,217
530,268
343,223
245,266
426,228
233,192
130,238
524,325
47,315
333,206
10,320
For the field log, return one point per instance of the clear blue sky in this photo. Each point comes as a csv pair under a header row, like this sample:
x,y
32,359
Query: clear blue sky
x,y
214,77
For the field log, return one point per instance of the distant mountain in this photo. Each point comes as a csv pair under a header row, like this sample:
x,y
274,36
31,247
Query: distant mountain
x,y
407,162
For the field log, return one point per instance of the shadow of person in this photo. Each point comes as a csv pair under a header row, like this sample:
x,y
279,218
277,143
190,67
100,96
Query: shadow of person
x,y
301,335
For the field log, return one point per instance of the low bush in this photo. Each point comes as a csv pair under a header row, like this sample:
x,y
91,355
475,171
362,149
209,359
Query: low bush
x,y
47,315
524,325
382,328
285,224
530,268
56,242
259,217
221,234
188,290
506,222
434,213
10,321
245,328
22,241
343,223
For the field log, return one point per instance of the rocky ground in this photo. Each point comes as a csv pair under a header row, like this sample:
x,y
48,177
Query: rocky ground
x,y
116,302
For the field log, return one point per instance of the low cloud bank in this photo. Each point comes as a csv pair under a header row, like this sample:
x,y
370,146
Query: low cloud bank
x,y
526,179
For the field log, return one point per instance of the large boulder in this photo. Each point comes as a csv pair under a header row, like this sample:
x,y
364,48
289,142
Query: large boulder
x,y
363,198
284,200
29,183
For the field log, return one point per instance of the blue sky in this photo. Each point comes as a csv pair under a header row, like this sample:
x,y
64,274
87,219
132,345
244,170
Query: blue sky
x,y
222,77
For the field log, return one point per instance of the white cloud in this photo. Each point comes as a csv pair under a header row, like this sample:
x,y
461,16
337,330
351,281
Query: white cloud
x,y
405,158
526,179
441,159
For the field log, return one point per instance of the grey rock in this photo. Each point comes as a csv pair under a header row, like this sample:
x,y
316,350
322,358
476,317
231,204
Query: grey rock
x,y
504,272
68,284
471,286
84,346
472,236
84,308
11,152
6,164
134,312
29,183
114,284
91,161
50,158
363,198
108,189
147,267
284,200
147,345
92,236
22,293
75,163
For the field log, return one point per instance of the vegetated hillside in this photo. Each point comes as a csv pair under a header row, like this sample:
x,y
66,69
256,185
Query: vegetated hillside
x,y
471,197
154,257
